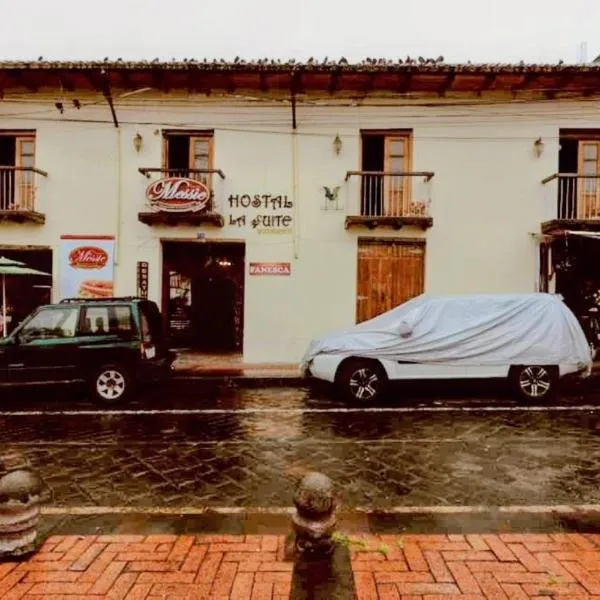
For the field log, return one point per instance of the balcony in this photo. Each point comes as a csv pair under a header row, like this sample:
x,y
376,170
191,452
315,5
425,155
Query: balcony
x,y
577,199
389,199
182,197
18,187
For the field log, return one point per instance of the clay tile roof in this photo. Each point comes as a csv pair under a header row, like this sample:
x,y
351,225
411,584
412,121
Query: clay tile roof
x,y
419,65
408,75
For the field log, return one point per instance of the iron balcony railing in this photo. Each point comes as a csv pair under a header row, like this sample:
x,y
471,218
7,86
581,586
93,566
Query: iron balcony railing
x,y
577,196
18,187
390,193
204,176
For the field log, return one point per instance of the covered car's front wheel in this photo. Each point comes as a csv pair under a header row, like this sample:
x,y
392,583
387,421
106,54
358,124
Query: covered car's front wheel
x,y
361,380
534,382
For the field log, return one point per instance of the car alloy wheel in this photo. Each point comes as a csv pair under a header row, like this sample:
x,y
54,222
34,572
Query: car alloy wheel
x,y
110,385
535,382
364,384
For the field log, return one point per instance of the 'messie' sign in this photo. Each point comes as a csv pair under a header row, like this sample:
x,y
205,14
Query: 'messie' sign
x,y
178,194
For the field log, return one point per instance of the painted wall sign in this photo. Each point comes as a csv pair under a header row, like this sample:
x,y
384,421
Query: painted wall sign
x,y
264,213
86,266
142,279
178,194
273,268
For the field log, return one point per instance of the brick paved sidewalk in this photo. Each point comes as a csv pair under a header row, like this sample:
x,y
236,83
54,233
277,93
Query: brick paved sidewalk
x,y
386,567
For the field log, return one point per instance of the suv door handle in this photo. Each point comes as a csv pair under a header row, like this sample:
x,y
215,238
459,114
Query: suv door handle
x,y
15,365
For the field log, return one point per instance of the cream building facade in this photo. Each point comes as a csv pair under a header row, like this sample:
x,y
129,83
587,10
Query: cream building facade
x,y
325,206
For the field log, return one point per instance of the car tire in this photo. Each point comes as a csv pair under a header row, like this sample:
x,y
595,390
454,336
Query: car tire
x,y
361,380
534,382
111,384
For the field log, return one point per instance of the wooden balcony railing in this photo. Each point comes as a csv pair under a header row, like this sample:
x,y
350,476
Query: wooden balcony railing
x,y
397,194
577,196
18,188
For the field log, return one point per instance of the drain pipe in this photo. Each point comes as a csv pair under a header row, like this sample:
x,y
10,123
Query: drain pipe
x,y
119,198
296,228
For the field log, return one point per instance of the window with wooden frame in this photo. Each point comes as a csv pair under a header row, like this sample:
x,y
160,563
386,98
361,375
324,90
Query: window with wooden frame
x,y
386,164
189,154
17,183
588,196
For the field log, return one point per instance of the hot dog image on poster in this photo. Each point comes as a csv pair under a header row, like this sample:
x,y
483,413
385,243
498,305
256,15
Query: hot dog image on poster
x,y
87,266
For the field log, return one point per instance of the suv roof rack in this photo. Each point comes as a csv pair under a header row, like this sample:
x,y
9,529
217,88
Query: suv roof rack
x,y
111,299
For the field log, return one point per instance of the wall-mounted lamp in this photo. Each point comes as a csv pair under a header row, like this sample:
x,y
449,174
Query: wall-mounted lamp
x,y
337,145
137,141
538,147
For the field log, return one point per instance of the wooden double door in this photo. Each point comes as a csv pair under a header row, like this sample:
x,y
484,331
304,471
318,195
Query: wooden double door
x,y
390,272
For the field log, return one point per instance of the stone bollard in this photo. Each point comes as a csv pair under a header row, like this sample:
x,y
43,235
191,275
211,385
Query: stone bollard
x,y
20,499
322,568
315,519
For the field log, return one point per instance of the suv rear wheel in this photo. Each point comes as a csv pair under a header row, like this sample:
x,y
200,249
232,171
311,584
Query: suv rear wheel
x,y
534,382
111,384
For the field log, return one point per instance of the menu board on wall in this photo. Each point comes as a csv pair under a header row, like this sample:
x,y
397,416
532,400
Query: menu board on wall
x,y
86,266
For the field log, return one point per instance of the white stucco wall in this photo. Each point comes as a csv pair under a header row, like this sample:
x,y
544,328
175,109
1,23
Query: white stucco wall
x,y
487,198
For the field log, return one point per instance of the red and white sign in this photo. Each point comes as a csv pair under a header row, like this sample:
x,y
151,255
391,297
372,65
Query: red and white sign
x,y
178,194
88,257
86,266
277,268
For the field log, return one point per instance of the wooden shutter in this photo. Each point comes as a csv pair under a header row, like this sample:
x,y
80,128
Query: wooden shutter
x,y
396,189
201,158
588,189
25,182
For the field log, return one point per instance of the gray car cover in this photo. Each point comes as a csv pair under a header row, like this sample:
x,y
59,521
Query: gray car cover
x,y
482,329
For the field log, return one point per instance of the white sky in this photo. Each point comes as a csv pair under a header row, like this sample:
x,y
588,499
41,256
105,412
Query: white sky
x,y
460,30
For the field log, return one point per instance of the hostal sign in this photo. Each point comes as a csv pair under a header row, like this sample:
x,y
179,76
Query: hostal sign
x,y
178,194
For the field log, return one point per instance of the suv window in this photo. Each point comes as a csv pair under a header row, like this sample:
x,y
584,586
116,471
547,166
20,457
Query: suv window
x,y
51,323
103,320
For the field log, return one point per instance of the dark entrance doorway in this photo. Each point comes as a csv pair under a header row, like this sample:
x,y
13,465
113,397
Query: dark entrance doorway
x,y
203,295
24,293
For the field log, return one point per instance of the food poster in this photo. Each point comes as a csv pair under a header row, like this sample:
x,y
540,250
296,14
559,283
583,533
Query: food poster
x,y
86,267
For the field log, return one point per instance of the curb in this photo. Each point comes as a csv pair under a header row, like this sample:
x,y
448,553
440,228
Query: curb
x,y
273,520
247,381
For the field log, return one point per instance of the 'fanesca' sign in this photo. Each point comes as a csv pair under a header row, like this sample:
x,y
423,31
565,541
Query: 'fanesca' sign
x,y
178,194
88,257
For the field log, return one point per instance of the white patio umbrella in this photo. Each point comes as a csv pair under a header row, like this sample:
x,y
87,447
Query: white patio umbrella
x,y
13,267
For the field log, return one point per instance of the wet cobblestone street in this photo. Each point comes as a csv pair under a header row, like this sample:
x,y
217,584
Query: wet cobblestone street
x,y
245,448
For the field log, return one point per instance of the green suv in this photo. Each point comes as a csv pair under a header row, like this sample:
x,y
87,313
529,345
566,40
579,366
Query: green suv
x,y
110,344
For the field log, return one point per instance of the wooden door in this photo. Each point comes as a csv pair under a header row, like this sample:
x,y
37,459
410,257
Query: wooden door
x,y
25,157
389,273
396,188
588,196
